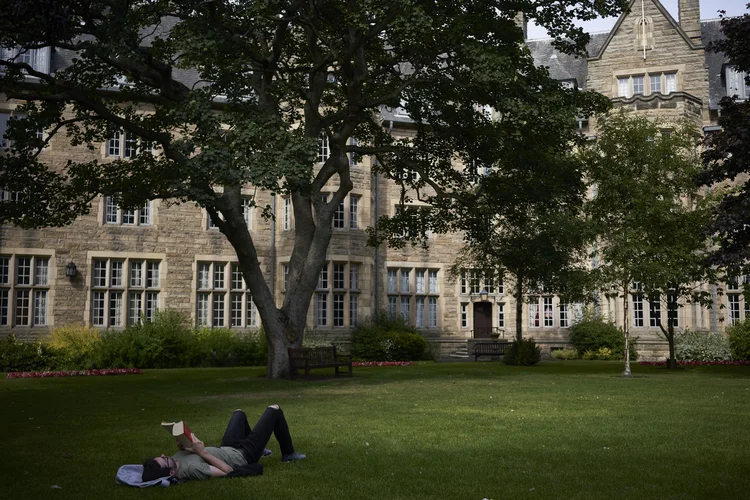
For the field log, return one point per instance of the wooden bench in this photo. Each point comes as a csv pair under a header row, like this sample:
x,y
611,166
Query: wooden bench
x,y
307,358
489,349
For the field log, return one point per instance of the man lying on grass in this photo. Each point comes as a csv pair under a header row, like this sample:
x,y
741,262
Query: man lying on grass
x,y
239,446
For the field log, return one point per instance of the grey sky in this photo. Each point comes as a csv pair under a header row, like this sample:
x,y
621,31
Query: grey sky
x,y
709,10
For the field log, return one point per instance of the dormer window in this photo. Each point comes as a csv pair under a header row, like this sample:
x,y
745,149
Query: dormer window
x,y
737,83
38,59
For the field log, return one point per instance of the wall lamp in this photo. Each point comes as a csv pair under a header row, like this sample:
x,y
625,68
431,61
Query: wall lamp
x,y
70,270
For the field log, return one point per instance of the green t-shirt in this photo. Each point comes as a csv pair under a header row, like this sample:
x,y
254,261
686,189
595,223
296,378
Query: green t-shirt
x,y
191,466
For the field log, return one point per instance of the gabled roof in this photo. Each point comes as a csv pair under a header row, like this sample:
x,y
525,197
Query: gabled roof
x,y
663,11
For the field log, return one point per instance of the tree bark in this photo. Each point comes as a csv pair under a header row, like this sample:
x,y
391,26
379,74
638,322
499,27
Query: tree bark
x,y
626,372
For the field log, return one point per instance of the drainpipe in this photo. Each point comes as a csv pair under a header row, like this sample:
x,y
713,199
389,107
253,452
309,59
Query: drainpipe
x,y
377,248
273,248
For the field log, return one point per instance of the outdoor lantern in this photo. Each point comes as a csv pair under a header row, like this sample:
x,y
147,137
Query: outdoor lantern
x,y
483,295
70,270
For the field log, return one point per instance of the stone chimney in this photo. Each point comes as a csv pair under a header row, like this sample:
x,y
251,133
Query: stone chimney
x,y
523,22
690,19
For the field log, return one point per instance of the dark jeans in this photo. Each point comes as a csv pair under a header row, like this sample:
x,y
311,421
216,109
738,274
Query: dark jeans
x,y
252,442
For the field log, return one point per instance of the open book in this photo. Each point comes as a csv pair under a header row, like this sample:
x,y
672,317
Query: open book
x,y
180,431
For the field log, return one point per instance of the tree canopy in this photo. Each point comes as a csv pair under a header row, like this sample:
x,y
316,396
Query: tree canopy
x,y
226,94
727,156
647,215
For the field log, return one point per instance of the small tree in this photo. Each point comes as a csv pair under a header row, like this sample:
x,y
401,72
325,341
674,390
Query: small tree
x,y
647,214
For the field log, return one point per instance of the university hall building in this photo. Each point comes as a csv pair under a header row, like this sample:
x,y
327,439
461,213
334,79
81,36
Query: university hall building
x,y
112,267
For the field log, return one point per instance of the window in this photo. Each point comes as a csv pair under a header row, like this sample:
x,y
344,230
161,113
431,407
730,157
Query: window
x,y
38,59
655,84
211,222
24,290
353,157
549,316
353,276
333,279
5,120
623,87
564,316
464,315
733,300
418,312
338,309
285,274
501,315
324,149
673,315
222,297
321,309
654,313
338,276
353,212
122,144
338,217
6,195
534,313
247,211
400,293
287,214
670,82
479,280
736,83
114,215
638,310
353,309
638,87
119,299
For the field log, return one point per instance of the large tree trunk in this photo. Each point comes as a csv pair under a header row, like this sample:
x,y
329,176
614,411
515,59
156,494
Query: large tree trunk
x,y
626,331
519,308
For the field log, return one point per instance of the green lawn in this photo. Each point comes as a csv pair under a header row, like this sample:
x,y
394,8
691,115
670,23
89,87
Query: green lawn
x,y
454,430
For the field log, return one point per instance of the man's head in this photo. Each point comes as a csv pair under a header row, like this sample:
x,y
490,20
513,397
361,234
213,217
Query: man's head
x,y
158,467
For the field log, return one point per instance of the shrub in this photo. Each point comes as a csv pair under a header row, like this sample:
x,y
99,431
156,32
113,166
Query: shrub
x,y
739,340
701,346
16,355
593,334
524,353
603,353
565,354
387,339
75,346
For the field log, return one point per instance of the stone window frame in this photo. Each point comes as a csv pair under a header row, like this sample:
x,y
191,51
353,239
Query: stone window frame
x,y
663,71
401,301
225,293
127,258
143,216
9,288
334,306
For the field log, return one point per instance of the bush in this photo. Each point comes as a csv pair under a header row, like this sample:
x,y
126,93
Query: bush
x,y
525,353
387,339
19,356
701,346
593,334
739,340
603,353
565,354
75,346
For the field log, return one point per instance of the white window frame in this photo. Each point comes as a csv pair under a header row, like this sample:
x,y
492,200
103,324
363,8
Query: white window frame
x,y
287,221
354,212
637,315
114,215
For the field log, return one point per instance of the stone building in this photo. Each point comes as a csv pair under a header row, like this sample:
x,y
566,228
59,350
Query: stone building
x,y
111,266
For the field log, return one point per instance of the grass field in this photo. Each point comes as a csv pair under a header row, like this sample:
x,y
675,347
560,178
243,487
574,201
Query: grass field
x,y
454,430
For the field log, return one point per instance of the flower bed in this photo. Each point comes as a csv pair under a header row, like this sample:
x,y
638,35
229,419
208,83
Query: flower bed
x,y
75,373
382,363
695,363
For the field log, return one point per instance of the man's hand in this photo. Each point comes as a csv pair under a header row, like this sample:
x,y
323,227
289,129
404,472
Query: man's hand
x,y
197,448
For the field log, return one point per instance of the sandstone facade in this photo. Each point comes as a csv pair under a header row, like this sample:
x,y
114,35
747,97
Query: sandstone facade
x,y
170,257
